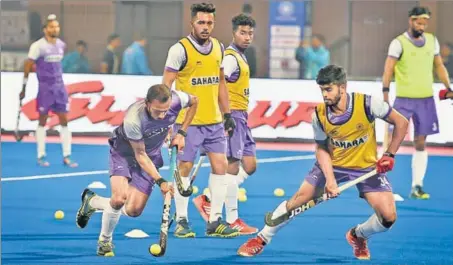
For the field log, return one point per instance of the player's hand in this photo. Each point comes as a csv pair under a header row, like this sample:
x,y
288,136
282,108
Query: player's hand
x,y
178,141
386,163
445,94
168,138
166,187
22,94
332,188
229,124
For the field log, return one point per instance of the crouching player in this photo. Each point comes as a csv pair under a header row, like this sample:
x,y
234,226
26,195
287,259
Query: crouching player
x,y
344,129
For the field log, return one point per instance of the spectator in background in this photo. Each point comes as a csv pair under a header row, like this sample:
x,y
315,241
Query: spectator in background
x,y
111,63
250,52
315,57
135,61
76,61
447,57
300,59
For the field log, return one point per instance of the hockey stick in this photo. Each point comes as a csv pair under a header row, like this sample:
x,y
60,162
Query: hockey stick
x,y
167,207
312,203
179,184
385,144
17,134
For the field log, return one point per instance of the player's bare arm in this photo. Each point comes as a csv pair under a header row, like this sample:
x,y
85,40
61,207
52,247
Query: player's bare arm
x,y
323,156
190,114
389,69
224,101
441,71
400,128
169,77
27,69
148,166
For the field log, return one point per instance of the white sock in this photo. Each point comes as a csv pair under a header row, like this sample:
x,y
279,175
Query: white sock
x,y
231,200
182,203
41,140
241,176
370,227
419,165
110,218
269,232
218,185
65,136
100,203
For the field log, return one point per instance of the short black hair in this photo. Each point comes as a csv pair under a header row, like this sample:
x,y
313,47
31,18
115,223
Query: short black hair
x,y
81,43
112,37
202,7
242,20
419,10
158,92
331,74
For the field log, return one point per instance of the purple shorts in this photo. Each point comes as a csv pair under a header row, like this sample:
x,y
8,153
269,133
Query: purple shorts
x,y
422,111
128,167
241,143
55,100
377,183
211,138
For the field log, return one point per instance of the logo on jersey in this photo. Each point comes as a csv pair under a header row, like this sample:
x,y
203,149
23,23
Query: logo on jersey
x,y
54,58
349,144
155,132
205,80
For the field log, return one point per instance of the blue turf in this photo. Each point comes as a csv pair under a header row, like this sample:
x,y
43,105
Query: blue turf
x,y
423,233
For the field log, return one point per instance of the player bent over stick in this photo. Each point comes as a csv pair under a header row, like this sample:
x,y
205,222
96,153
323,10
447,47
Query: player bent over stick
x,y
346,148
135,157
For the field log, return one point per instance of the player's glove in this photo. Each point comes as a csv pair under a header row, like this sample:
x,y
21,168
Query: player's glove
x,y
229,124
443,93
386,163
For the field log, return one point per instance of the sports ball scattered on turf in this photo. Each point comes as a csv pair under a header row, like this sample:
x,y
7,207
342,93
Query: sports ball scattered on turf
x,y
59,215
242,190
155,249
279,192
242,197
206,191
194,190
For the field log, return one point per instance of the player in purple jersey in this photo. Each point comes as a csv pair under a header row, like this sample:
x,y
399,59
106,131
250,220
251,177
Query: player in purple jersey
x,y
135,159
47,54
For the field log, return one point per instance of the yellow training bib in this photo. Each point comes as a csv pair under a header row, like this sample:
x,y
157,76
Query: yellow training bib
x,y
353,142
200,77
239,90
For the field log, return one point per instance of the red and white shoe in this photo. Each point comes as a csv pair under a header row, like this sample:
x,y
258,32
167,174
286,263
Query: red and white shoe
x,y
359,245
253,246
203,206
243,228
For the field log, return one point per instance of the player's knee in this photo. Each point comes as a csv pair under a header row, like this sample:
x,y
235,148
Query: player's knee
x,y
250,169
134,211
184,168
118,200
388,220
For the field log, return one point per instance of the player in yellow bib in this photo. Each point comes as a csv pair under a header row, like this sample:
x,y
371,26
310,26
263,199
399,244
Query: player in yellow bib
x,y
241,146
195,64
344,129
411,57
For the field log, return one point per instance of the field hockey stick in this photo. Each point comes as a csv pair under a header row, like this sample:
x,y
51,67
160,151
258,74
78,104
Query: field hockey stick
x,y
165,224
197,167
17,134
312,203
385,144
187,192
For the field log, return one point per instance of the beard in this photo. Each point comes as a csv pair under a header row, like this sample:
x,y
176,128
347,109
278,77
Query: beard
x,y
416,33
333,102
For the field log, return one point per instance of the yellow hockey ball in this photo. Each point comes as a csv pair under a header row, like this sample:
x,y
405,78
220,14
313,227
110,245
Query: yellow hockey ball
x,y
155,249
279,192
242,190
194,189
242,197
59,215
206,191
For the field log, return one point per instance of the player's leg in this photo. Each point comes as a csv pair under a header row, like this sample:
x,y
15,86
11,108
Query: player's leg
x,y
193,142
215,145
425,123
312,186
61,108
378,193
43,101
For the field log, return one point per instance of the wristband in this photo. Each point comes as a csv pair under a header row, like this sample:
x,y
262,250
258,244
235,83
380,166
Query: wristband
x,y
389,154
385,89
160,181
183,133
227,115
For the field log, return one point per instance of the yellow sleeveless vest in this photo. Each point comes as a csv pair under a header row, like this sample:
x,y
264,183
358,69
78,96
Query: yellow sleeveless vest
x,y
200,77
414,70
353,143
239,90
